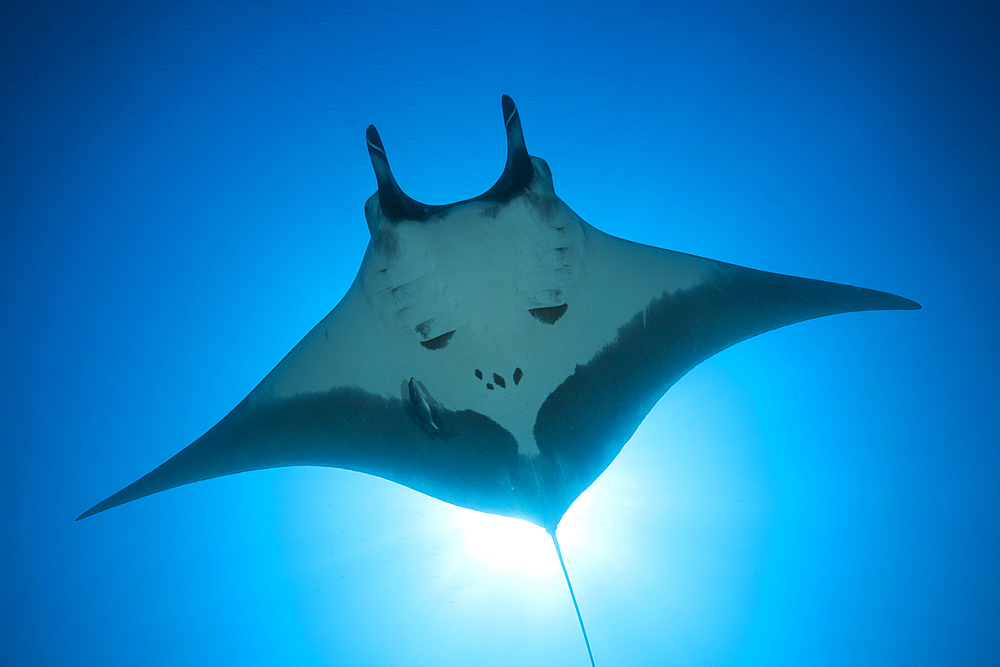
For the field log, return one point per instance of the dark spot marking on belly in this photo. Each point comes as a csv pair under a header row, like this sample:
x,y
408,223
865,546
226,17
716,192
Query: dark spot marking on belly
x,y
518,374
489,385
479,374
438,342
550,314
499,381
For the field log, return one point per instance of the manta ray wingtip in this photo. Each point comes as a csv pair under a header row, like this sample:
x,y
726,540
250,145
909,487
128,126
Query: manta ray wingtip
x,y
113,500
96,509
891,301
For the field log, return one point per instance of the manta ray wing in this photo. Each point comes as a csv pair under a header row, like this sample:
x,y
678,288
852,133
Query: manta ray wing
x,y
693,308
495,353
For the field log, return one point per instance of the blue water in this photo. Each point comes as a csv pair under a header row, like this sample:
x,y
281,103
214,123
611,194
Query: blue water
x,y
181,201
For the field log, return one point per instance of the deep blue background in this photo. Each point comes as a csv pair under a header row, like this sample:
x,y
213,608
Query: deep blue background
x,y
181,191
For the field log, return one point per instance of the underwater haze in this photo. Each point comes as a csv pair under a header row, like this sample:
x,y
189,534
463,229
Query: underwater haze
x,y
182,200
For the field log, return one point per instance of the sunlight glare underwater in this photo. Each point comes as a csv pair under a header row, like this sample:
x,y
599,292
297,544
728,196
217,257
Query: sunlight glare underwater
x,y
507,544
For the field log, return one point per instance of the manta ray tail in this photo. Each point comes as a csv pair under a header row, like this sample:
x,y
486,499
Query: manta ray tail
x,y
573,595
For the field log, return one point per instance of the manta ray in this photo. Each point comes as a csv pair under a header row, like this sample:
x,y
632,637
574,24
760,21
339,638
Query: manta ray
x,y
496,353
